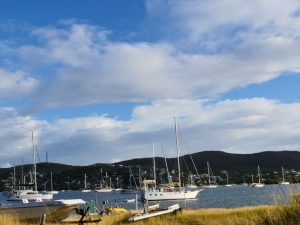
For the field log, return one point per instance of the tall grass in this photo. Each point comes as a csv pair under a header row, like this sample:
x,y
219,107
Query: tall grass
x,y
287,214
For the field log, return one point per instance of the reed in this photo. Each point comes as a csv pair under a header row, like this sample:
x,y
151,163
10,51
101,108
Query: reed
x,y
10,220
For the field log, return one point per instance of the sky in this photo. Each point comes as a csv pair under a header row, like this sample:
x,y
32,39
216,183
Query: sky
x,y
101,81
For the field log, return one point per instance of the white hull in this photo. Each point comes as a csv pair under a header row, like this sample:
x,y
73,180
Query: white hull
x,y
104,190
55,210
258,185
192,186
228,185
150,214
211,186
284,182
157,195
50,192
86,190
29,195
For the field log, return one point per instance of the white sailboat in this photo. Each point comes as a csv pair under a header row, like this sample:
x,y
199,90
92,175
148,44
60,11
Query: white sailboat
x,y
29,194
85,189
227,179
51,187
259,184
210,174
104,187
283,179
153,193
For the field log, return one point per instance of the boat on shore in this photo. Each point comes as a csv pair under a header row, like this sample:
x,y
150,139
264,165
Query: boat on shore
x,y
55,210
159,212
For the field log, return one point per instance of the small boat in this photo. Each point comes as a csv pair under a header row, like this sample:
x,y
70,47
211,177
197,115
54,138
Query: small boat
x,y
129,200
55,210
148,214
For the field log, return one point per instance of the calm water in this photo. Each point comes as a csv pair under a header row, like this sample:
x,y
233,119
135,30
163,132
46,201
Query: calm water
x,y
235,196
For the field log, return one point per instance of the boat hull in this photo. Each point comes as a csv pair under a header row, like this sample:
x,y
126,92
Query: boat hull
x,y
56,210
157,195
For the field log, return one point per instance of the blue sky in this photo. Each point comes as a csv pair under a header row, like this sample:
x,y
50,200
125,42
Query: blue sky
x,y
100,81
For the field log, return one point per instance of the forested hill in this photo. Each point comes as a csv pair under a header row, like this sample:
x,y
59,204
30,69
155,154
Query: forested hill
x,y
233,163
237,166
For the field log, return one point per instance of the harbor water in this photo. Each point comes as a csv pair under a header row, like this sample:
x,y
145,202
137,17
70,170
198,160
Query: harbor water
x,y
220,197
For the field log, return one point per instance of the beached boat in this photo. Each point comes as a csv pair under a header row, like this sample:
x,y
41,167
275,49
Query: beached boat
x,y
55,210
148,214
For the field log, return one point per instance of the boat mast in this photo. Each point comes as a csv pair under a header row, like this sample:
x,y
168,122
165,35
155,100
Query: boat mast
x,y
208,173
154,174
177,147
258,174
282,173
51,183
34,164
85,181
168,173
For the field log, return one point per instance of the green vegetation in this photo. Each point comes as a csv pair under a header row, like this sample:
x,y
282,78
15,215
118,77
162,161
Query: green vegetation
x,y
238,166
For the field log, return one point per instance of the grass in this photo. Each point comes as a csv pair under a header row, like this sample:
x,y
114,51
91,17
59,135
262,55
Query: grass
x,y
288,214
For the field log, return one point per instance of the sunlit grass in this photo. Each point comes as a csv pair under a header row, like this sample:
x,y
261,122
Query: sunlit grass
x,y
280,214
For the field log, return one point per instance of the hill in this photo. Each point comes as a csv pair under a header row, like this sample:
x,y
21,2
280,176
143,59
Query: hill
x,y
238,166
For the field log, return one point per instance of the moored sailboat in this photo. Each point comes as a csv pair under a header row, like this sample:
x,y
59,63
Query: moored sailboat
x,y
152,192
283,179
259,184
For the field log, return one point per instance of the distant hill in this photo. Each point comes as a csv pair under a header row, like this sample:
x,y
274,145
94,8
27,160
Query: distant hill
x,y
237,166
233,163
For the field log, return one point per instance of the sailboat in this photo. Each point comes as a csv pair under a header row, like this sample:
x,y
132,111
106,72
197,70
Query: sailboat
x,y
227,179
211,184
259,184
152,192
104,185
283,180
85,189
51,187
29,194
131,189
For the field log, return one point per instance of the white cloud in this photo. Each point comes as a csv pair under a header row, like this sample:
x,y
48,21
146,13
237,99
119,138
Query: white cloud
x,y
243,126
89,68
16,84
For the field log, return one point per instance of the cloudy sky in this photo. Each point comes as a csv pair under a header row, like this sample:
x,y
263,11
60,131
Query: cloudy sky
x,y
101,81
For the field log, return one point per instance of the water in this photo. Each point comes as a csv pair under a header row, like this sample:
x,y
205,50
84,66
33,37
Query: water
x,y
220,197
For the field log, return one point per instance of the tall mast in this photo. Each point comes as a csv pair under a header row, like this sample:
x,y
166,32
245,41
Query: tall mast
x,y
85,181
154,174
168,173
258,174
34,164
177,147
51,183
282,174
208,173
